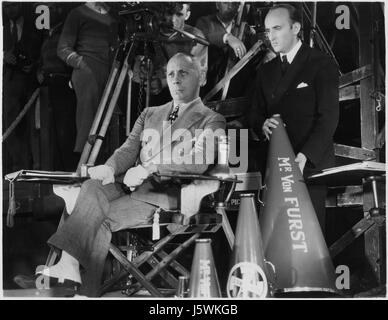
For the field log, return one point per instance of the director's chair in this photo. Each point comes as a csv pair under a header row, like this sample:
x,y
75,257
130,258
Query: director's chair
x,y
202,210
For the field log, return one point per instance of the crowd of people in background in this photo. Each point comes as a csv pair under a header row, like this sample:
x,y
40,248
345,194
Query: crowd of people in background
x,y
71,61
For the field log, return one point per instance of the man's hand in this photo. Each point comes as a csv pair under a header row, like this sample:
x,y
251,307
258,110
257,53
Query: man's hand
x,y
103,173
237,45
135,177
301,160
9,58
82,64
27,69
40,76
268,125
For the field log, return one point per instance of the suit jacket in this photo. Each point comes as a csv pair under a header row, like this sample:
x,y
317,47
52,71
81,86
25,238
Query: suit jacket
x,y
154,140
219,53
307,99
27,49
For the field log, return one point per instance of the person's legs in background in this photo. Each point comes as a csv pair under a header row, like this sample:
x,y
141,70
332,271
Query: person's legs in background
x,y
63,104
16,149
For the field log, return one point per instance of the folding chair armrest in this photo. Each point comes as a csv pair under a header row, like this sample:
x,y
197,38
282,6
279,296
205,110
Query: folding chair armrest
x,y
192,177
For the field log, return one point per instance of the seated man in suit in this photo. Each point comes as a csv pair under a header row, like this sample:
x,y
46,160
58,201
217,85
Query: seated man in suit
x,y
154,145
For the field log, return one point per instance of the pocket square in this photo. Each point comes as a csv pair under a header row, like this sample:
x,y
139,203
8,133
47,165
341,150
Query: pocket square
x,y
302,85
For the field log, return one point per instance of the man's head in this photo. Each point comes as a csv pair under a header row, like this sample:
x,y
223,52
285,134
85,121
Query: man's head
x,y
182,13
282,25
227,10
184,77
174,14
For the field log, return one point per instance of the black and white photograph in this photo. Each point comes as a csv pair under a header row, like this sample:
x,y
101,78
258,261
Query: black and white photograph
x,y
185,151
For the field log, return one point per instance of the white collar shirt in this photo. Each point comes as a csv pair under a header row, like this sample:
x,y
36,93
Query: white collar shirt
x,y
184,106
292,53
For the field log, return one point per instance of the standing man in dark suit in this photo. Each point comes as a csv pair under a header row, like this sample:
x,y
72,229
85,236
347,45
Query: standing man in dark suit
x,y
102,206
301,85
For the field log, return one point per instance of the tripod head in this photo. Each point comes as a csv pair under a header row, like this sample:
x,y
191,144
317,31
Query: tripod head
x,y
153,22
148,21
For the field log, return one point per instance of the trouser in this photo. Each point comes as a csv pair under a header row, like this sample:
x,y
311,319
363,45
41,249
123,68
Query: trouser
x,y
318,198
89,84
86,233
63,105
17,88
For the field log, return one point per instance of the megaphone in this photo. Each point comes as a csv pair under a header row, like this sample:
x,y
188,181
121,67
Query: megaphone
x,y
292,238
203,278
248,273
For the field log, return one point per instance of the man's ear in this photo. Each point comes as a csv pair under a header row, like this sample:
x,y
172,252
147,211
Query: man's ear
x,y
202,77
188,13
296,27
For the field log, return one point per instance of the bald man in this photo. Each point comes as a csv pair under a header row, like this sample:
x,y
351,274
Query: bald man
x,y
102,206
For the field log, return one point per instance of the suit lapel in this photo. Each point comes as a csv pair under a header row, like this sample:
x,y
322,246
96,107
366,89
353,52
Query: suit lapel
x,y
293,70
275,75
157,122
192,116
216,21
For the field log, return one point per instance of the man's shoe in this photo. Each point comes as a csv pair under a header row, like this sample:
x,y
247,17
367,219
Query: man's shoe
x,y
25,282
40,281
47,282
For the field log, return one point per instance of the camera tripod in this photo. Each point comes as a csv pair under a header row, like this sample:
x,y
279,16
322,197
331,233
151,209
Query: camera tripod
x,y
121,67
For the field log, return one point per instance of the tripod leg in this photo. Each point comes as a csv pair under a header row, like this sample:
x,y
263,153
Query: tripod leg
x,y
234,70
227,83
129,103
101,107
112,104
148,88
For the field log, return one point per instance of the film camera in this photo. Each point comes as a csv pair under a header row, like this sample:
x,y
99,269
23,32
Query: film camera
x,y
151,24
150,20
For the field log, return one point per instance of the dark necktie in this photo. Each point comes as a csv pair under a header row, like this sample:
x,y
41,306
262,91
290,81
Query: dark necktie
x,y
174,114
284,65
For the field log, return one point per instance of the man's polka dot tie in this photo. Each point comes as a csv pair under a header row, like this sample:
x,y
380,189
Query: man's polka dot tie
x,y
174,114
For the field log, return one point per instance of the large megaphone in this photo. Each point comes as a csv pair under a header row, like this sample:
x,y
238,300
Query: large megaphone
x,y
248,273
292,238
203,278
